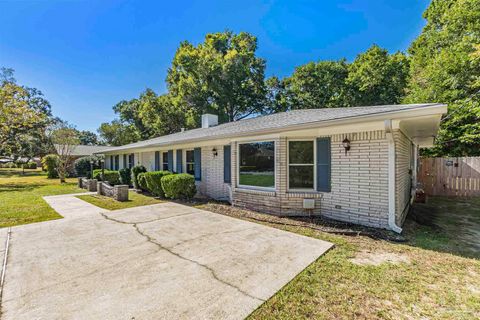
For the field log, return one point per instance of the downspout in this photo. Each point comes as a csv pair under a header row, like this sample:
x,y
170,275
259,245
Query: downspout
x,y
391,177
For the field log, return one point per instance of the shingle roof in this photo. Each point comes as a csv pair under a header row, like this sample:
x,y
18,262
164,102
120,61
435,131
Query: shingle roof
x,y
84,150
269,122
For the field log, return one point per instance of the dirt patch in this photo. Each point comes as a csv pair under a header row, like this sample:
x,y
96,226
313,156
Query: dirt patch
x,y
376,258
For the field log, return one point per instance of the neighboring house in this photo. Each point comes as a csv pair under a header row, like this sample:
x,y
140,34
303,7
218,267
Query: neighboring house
x,y
80,150
350,164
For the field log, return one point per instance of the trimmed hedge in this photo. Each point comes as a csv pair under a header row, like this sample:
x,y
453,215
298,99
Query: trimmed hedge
x,y
49,164
142,181
135,172
111,176
154,184
125,176
179,186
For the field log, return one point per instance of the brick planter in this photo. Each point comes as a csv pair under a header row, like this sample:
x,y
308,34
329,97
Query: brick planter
x,y
117,192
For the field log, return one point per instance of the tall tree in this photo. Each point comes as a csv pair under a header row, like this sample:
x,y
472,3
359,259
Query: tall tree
x,y
319,85
445,67
161,115
24,114
88,138
116,133
222,75
378,78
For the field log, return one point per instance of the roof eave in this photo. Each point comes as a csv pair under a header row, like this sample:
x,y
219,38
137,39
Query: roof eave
x,y
438,108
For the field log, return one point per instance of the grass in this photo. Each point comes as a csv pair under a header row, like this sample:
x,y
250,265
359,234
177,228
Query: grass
x,y
257,180
135,200
430,285
447,224
21,196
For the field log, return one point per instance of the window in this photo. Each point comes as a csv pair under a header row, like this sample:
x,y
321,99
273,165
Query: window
x,y
257,164
301,165
165,161
190,162
131,160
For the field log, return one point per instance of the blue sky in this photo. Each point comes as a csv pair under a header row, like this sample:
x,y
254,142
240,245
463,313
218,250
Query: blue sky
x,y
87,55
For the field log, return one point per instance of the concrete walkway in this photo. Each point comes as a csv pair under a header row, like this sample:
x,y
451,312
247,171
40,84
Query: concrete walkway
x,y
164,261
70,206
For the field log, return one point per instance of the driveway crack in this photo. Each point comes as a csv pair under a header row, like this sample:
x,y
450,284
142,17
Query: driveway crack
x,y
169,250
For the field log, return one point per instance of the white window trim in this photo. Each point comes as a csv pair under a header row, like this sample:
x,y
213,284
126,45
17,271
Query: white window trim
x,y
314,189
242,186
185,162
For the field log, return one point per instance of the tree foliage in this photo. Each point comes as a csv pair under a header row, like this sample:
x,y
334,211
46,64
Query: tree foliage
x,y
117,133
222,75
24,117
376,77
445,67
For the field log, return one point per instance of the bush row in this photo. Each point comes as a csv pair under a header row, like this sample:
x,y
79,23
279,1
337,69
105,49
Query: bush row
x,y
158,183
164,183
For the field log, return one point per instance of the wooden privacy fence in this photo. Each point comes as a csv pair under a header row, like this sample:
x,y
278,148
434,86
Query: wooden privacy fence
x,y
450,176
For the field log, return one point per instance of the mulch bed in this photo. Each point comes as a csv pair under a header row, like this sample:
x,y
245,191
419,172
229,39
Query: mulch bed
x,y
315,223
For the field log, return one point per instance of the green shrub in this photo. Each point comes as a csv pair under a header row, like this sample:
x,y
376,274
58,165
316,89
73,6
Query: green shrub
x,y
154,184
82,166
125,176
49,164
179,186
135,172
142,181
111,176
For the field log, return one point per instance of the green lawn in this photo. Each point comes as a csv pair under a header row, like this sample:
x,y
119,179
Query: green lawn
x,y
418,284
21,196
135,200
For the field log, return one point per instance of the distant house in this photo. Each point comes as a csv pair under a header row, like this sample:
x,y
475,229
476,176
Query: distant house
x,y
79,151
351,164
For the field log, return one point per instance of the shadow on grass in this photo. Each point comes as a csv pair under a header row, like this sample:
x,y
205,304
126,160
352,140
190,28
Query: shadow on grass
x,y
11,173
20,187
446,224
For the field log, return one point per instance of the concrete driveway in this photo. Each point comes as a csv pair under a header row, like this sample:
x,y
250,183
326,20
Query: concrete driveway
x,y
165,261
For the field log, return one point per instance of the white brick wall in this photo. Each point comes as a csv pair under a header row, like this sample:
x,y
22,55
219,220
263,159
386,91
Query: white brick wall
x,y
212,184
359,191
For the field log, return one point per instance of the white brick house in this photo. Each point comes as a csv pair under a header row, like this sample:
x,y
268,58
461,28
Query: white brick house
x,y
350,164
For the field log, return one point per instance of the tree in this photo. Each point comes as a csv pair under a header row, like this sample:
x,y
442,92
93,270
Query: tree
x,y
116,133
319,85
445,67
222,75
65,138
162,116
24,114
129,113
88,138
378,78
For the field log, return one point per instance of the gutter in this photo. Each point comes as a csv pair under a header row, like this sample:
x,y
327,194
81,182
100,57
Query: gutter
x,y
391,178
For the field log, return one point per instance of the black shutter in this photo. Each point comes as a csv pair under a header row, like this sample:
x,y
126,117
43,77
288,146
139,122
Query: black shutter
x,y
170,160
125,164
197,158
227,168
179,161
157,160
117,162
323,165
